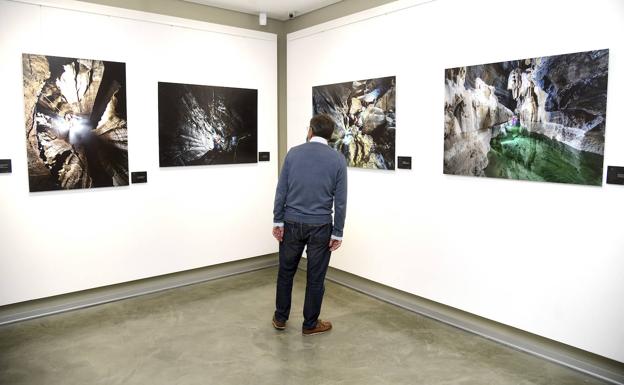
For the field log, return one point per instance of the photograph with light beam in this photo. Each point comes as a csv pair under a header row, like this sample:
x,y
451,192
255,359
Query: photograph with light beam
x,y
202,125
76,125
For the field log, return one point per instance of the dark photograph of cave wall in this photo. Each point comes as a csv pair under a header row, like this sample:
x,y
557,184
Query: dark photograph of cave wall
x,y
76,126
204,125
539,119
365,115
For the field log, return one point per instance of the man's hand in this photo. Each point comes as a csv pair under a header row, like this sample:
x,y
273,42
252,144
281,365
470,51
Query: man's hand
x,y
334,244
278,233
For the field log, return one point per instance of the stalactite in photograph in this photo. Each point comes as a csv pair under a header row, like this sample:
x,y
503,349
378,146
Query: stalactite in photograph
x,y
539,119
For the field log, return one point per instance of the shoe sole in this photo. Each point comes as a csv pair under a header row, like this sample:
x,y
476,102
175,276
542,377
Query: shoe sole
x,y
278,327
315,333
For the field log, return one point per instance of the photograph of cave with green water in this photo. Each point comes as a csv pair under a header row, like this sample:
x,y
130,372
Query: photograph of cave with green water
x,y
540,119
365,115
75,116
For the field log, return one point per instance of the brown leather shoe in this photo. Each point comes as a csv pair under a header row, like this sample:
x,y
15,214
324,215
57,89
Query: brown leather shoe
x,y
321,327
278,325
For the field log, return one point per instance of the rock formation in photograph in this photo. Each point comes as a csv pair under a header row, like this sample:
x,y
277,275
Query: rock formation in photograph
x,y
364,113
539,119
76,130
202,125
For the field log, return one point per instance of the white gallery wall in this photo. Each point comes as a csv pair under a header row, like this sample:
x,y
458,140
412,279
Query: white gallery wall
x,y
546,258
184,217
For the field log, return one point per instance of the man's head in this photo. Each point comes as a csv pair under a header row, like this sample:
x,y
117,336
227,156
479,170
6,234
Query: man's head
x,y
321,125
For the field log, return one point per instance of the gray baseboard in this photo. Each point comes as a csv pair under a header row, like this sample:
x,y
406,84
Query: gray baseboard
x,y
574,358
47,306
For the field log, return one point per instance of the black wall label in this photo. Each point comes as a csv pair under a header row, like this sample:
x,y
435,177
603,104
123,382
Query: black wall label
x,y
139,177
615,175
5,166
264,156
405,162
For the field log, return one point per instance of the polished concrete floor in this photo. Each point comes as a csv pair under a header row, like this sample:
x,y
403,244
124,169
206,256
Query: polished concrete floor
x,y
220,332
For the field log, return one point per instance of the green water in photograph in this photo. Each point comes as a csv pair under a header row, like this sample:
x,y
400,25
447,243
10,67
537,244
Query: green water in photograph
x,y
520,154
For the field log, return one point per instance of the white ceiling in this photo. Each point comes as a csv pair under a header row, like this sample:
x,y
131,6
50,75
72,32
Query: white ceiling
x,y
276,9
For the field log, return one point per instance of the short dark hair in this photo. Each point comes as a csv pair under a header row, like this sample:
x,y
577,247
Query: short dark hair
x,y
322,125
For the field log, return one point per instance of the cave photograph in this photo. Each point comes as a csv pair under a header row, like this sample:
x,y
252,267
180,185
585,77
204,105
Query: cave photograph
x,y
540,119
365,115
75,116
205,125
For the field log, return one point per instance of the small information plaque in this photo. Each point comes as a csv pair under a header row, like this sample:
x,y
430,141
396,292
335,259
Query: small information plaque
x,y
615,175
139,177
404,162
264,156
5,166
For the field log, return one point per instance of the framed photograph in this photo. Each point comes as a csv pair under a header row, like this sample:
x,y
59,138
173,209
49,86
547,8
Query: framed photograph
x,y
75,118
203,125
365,115
538,119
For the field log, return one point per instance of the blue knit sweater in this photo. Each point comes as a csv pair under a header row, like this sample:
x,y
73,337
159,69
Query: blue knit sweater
x,y
313,179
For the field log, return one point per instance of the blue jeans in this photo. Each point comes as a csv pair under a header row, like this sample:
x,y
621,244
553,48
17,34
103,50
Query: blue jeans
x,y
296,237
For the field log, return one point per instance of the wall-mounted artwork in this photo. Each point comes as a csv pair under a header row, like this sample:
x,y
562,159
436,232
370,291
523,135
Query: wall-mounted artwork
x,y
202,125
538,119
365,116
76,130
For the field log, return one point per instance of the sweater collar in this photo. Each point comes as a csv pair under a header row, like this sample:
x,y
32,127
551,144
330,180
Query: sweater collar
x,y
318,139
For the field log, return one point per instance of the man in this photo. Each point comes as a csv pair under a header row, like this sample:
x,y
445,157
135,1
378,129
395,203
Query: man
x,y
313,179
